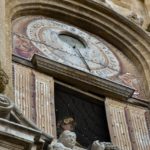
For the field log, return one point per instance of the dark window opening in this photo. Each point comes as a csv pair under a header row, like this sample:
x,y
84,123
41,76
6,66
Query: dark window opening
x,y
89,115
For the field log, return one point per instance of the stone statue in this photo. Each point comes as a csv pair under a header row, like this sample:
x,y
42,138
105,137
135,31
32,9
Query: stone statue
x,y
67,141
103,146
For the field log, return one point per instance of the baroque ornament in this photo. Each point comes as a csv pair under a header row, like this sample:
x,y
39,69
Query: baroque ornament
x,y
5,106
103,146
135,18
3,80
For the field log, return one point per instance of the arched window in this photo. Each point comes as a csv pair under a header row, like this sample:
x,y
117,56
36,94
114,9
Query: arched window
x,y
64,74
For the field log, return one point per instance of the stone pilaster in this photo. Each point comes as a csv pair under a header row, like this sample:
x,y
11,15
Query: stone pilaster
x,y
2,34
5,53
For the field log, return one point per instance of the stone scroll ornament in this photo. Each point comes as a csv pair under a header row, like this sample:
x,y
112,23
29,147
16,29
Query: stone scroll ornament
x,y
67,141
5,106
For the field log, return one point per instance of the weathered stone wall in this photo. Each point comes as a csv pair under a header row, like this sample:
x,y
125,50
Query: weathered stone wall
x,y
102,19
5,52
137,11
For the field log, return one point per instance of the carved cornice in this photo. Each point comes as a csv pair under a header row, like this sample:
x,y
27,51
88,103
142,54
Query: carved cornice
x,y
81,79
3,80
23,137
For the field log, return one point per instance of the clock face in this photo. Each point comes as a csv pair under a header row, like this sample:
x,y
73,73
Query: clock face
x,y
73,47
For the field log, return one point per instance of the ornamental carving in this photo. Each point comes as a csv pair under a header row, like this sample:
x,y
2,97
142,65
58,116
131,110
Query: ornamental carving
x,y
103,146
135,18
5,106
67,141
3,80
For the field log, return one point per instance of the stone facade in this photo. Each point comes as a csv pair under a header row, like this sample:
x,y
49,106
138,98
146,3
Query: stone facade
x,y
123,24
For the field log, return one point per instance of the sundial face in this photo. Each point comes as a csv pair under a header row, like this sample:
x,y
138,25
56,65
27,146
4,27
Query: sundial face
x,y
76,48
73,47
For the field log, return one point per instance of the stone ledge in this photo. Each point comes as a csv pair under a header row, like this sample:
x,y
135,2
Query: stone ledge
x,y
18,131
81,79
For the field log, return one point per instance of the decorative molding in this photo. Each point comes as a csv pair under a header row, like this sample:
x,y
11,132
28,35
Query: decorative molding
x,y
5,106
81,79
25,133
23,137
95,18
139,102
135,18
3,80
10,114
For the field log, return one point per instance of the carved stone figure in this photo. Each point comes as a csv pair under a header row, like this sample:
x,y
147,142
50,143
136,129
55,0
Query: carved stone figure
x,y
68,139
98,146
103,146
68,123
135,18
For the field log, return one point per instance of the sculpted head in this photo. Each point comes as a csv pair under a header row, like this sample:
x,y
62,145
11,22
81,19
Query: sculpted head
x,y
68,138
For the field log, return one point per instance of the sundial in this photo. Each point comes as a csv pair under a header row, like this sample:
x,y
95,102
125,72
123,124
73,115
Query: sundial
x,y
73,47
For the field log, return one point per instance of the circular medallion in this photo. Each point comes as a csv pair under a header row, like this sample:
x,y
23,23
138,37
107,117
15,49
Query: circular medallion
x,y
73,47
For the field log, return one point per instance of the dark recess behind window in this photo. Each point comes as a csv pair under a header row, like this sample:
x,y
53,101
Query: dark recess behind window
x,y
89,114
